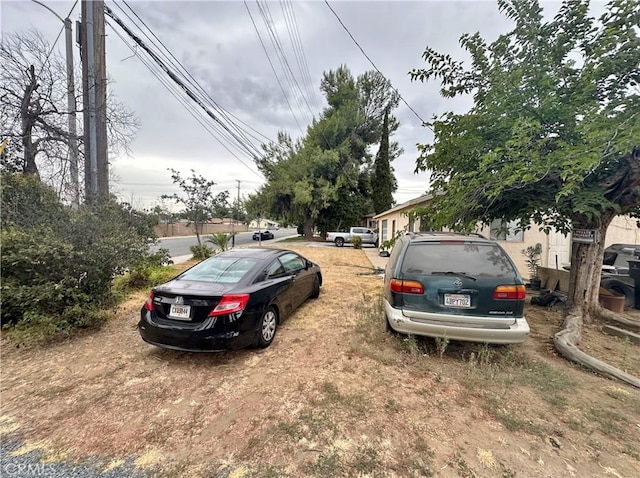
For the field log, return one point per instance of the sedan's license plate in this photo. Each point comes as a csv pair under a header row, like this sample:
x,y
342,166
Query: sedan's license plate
x,y
182,312
457,300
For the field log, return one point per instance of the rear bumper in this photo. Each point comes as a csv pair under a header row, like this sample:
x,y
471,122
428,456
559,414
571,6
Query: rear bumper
x,y
515,333
191,340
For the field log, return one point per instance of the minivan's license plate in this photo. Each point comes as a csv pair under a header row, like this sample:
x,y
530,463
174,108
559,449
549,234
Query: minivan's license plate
x,y
182,312
457,300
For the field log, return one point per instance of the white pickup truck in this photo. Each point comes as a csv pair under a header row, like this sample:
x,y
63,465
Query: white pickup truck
x,y
340,238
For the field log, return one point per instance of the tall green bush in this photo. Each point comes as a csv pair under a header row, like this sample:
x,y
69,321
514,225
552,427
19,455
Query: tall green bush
x,y
58,264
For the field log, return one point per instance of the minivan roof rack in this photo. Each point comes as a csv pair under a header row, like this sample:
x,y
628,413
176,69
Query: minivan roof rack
x,y
444,233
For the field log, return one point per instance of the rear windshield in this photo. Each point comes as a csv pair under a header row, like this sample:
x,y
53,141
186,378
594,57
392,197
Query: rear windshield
x,y
486,260
227,270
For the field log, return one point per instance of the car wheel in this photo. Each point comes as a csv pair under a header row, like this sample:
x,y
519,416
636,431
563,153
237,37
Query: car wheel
x,y
617,288
339,241
267,330
315,293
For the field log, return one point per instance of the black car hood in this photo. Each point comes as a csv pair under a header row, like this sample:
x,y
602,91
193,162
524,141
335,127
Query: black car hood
x,y
192,287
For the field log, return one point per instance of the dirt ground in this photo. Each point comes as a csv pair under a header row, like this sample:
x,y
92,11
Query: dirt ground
x,y
333,396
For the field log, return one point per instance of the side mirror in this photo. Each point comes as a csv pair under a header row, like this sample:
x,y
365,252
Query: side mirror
x,y
384,254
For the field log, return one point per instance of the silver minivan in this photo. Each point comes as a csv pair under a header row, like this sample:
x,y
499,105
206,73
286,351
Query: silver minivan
x,y
462,287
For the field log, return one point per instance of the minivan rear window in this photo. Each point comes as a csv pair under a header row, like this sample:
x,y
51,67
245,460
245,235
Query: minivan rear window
x,y
474,259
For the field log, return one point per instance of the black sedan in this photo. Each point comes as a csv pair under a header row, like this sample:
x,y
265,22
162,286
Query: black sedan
x,y
232,300
262,235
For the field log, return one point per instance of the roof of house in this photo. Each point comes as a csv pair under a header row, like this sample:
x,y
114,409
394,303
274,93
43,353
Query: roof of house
x,y
405,205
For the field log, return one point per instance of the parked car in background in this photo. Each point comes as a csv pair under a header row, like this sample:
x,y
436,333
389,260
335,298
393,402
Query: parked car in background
x,y
341,238
263,235
460,287
232,300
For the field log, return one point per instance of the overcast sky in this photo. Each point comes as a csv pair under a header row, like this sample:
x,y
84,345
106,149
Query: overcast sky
x,y
217,43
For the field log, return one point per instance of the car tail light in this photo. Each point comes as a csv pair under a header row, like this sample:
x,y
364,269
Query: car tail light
x,y
148,304
509,292
229,304
406,286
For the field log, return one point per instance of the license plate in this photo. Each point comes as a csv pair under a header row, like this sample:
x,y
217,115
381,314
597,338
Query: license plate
x,y
457,300
182,312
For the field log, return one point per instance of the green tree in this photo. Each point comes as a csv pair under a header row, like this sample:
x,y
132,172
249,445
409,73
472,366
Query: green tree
x,y
200,204
552,137
307,179
383,183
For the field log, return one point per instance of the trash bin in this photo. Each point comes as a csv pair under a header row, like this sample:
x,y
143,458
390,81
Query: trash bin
x,y
634,273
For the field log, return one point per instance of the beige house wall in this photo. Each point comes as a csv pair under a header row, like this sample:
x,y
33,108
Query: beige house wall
x,y
556,247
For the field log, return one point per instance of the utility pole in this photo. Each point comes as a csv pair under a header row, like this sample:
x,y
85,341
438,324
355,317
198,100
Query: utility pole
x,y
94,90
71,107
235,214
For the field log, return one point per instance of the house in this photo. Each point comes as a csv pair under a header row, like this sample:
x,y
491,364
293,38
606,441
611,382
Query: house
x,y
263,224
556,247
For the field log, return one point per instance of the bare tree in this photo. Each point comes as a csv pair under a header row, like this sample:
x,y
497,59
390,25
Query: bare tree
x,y
34,113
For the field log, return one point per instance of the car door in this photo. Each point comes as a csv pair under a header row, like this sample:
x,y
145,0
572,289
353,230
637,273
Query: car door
x,y
280,286
296,267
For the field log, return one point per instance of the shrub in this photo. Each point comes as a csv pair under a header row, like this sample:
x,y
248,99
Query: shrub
x,y
201,252
220,240
58,264
142,277
356,241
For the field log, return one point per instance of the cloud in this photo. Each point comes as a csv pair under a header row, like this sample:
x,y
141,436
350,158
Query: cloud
x,y
217,43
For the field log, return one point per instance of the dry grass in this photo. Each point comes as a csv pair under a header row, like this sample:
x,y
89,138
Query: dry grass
x,y
333,396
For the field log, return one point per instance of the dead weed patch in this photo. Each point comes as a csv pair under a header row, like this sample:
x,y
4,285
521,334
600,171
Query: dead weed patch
x,y
335,395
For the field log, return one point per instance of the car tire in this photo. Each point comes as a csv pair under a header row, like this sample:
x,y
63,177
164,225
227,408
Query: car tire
x,y
267,327
339,241
315,292
618,287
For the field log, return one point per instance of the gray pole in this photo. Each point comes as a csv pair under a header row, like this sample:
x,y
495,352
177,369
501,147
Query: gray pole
x,y
71,106
93,127
100,95
233,239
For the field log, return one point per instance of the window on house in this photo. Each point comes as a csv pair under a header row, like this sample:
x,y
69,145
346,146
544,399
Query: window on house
x,y
383,233
393,228
506,231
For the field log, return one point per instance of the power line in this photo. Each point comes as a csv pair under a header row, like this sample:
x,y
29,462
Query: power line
x,y
373,64
282,57
172,88
173,62
273,68
239,141
294,34
195,83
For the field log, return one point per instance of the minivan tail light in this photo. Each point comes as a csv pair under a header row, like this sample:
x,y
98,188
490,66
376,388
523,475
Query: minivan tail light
x,y
406,286
230,303
509,292
148,304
